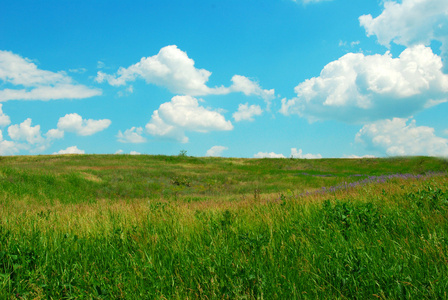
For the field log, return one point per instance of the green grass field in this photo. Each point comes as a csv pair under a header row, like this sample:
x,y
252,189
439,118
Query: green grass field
x,y
177,227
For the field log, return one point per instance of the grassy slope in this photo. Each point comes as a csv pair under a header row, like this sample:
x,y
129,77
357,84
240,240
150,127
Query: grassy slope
x,y
73,179
176,227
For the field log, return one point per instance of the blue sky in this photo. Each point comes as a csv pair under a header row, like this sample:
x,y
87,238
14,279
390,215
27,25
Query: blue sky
x,y
276,78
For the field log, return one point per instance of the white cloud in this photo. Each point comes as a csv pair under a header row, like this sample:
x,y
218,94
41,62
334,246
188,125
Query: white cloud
x,y
134,153
129,90
54,134
410,22
75,123
157,127
185,112
299,154
396,137
32,136
21,71
119,152
39,84
9,148
71,150
181,114
45,93
78,70
246,112
4,119
248,87
100,65
359,88
133,135
351,45
170,68
216,151
294,154
356,156
173,69
25,132
268,155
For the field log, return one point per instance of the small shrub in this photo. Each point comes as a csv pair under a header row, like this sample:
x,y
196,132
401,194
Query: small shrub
x,y
181,181
429,199
345,215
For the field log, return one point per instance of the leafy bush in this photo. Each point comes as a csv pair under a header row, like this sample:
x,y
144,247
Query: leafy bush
x,y
346,215
181,181
429,199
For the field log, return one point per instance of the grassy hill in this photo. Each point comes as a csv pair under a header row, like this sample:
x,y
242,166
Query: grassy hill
x,y
157,227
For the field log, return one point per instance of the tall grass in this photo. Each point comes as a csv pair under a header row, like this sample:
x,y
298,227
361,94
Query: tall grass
x,y
62,238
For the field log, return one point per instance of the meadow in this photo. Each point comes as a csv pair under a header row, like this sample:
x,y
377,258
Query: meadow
x,y
179,227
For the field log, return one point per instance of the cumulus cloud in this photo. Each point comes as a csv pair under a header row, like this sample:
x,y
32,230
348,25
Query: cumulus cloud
x,y
357,156
36,84
170,68
21,71
75,123
183,113
32,136
268,155
246,112
71,150
54,134
294,154
9,148
173,69
134,153
409,23
119,151
398,137
248,87
299,154
4,119
133,135
157,127
25,132
216,151
360,88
